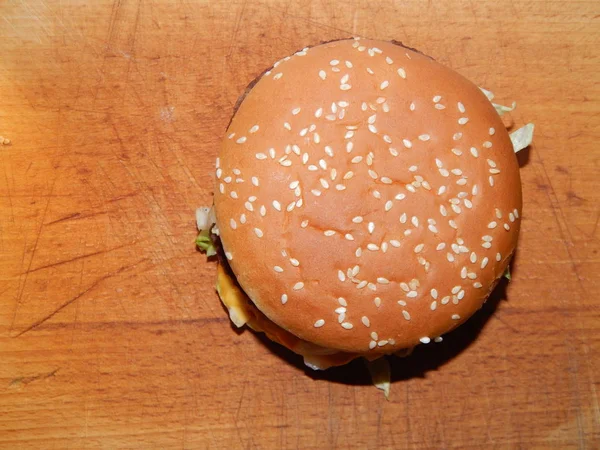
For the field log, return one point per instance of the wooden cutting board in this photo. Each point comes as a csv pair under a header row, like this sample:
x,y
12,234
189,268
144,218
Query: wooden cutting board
x,y
111,335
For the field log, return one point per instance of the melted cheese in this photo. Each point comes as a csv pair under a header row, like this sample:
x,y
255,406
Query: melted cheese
x,y
243,312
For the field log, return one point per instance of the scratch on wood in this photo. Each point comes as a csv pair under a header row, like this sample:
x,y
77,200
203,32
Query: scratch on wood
x,y
24,381
76,258
77,297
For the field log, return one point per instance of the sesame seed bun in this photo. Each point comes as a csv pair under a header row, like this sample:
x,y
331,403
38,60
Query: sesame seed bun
x,y
368,198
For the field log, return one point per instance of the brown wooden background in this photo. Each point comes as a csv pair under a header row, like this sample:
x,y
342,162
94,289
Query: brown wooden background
x,y
110,333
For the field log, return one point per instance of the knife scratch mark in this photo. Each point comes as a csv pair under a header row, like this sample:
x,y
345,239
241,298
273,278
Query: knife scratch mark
x,y
35,245
77,297
238,23
26,380
77,258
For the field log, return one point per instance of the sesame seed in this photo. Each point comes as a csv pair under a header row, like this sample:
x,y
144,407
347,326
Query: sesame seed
x,y
487,144
241,140
345,87
463,120
229,256
415,221
406,314
261,156
341,275
412,106
371,227
349,237
356,159
319,323
372,247
424,137
372,345
455,317
243,218
304,223
276,205
419,248
340,310
411,294
233,194
347,325
492,131
358,252
388,205
258,232
365,321
477,285
372,128
450,257
402,73
382,280
294,262
231,136
384,85
249,206
425,340
334,62
299,285
382,343
272,153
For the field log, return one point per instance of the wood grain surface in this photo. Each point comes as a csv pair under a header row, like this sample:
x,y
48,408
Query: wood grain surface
x,y
111,335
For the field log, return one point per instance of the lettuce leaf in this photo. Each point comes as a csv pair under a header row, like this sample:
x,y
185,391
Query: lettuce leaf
x,y
500,109
205,243
206,223
522,137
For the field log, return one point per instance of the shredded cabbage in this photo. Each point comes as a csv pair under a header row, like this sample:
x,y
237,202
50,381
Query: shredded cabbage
x,y
522,137
500,109
507,273
205,220
380,374
488,94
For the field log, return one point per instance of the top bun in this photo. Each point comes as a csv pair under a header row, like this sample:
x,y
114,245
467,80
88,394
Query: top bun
x,y
368,198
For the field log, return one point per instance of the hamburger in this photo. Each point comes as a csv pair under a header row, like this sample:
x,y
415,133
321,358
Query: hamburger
x,y
367,201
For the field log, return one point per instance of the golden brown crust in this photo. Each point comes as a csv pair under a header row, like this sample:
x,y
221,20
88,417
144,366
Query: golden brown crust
x,y
292,218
